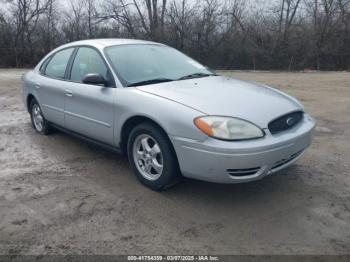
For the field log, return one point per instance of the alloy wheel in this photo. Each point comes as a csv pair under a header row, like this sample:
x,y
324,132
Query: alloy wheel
x,y
38,118
148,157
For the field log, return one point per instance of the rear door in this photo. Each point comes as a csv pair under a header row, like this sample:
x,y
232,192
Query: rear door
x,y
89,109
51,85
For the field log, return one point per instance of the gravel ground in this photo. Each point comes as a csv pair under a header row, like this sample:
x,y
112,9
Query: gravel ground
x,y
59,195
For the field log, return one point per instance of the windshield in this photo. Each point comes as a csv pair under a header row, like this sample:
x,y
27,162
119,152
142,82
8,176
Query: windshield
x,y
142,64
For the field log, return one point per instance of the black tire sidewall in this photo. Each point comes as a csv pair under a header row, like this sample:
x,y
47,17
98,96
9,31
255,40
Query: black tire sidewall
x,y
45,130
170,174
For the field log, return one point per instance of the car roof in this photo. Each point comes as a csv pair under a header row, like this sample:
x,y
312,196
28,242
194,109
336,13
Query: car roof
x,y
104,42
99,44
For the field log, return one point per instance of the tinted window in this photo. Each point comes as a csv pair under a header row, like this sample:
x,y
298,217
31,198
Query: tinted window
x,y
58,63
87,61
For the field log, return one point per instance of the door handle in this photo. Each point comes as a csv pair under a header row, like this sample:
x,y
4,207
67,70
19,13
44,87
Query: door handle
x,y
69,93
37,85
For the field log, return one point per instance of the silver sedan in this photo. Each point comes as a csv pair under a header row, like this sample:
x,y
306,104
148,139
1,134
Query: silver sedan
x,y
169,114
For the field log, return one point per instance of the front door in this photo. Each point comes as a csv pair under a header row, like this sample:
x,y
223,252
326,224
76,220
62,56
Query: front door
x,y
89,109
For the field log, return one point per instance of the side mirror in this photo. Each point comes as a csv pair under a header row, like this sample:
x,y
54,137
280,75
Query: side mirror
x,y
94,79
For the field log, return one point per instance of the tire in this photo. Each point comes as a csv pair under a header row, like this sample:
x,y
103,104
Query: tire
x,y
40,124
155,177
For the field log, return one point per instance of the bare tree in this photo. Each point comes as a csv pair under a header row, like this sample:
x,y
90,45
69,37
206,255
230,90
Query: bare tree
x,y
91,14
26,14
245,34
181,16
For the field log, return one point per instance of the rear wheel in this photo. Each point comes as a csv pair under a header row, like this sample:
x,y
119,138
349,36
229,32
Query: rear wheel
x,y
152,157
39,122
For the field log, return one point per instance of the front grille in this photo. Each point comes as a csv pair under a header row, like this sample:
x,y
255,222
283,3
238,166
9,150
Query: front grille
x,y
285,122
243,172
286,160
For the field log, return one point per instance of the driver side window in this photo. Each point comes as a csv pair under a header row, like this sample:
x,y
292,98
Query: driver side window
x,y
88,60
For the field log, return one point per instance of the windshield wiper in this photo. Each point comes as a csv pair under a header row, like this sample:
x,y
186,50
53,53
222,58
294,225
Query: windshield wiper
x,y
195,75
151,81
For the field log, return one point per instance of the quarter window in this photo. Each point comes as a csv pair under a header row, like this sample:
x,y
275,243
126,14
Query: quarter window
x,y
58,63
43,65
88,60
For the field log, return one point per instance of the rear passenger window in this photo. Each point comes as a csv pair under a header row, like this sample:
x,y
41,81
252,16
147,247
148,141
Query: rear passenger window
x,y
57,66
88,60
43,65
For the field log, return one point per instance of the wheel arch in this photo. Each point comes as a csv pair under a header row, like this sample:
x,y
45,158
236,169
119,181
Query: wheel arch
x,y
133,121
29,99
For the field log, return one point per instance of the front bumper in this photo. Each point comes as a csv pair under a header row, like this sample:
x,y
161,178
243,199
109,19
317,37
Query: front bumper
x,y
243,161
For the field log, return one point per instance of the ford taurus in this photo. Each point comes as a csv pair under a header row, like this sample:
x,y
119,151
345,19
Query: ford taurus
x,y
169,114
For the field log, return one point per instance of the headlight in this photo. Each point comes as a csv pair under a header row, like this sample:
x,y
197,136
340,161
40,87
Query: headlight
x,y
228,128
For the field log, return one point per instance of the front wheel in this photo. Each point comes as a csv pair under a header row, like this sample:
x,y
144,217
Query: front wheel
x,y
152,157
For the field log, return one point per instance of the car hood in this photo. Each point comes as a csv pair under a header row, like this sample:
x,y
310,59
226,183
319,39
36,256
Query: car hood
x,y
225,96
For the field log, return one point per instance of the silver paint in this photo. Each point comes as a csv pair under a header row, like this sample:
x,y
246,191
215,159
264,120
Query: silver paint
x,y
101,112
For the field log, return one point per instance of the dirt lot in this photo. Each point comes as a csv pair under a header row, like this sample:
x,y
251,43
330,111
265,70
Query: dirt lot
x,y
59,195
